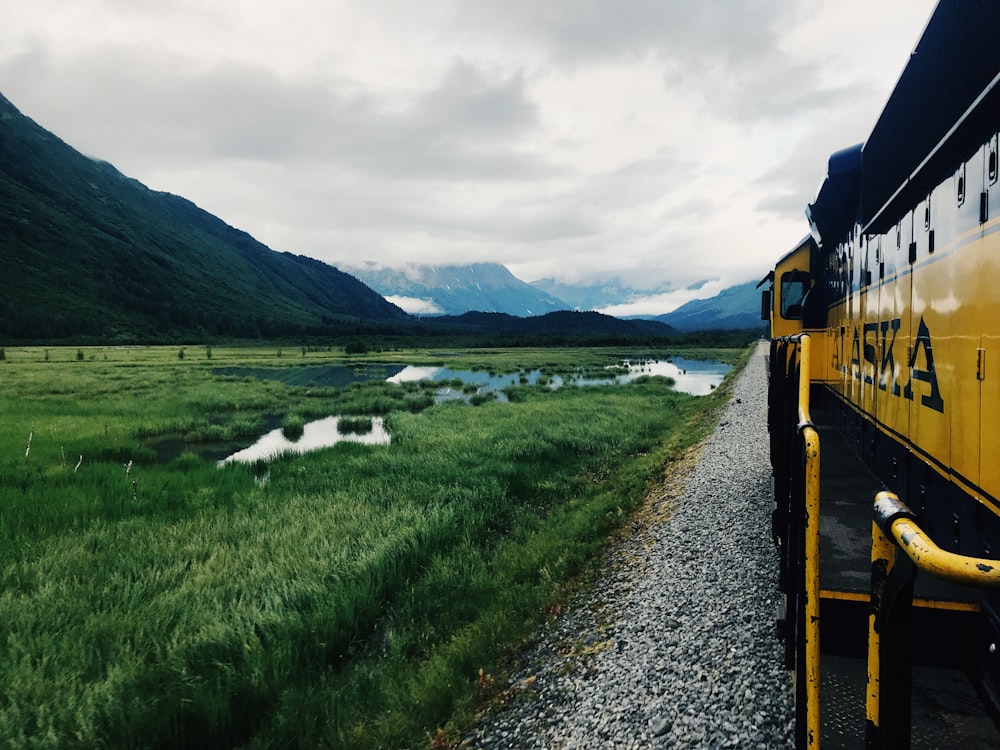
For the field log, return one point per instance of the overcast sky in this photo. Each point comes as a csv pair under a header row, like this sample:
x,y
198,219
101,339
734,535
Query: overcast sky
x,y
659,142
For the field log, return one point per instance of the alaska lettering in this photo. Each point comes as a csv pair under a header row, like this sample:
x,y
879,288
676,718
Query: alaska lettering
x,y
865,362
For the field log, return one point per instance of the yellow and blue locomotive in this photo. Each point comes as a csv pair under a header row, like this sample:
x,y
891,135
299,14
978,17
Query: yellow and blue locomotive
x,y
884,413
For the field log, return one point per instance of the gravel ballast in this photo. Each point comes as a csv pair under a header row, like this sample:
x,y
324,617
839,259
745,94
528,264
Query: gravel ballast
x,y
674,646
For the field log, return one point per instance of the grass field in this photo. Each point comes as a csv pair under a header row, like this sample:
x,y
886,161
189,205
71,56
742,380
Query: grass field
x,y
352,599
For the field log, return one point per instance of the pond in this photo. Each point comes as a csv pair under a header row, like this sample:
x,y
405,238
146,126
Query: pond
x,y
695,376
320,433
320,376
699,377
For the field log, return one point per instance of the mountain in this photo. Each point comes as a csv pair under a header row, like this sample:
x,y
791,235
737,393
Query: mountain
x,y
737,307
455,289
607,293
87,251
596,296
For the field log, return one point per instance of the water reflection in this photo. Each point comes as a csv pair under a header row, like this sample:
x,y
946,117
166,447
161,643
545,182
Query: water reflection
x,y
460,384
322,376
695,376
320,433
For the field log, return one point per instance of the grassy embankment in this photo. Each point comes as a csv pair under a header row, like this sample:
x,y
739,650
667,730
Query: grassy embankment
x,y
350,601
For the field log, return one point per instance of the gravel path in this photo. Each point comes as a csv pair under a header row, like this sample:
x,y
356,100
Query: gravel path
x,y
675,645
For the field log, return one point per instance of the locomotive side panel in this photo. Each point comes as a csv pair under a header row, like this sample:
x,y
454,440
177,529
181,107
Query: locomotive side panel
x,y
906,348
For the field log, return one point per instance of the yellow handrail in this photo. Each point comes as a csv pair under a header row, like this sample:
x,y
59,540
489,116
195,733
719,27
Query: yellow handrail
x,y
895,527
810,441
898,523
810,664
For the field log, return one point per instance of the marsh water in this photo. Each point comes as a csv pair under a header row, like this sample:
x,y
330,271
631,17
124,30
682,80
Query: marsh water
x,y
320,433
695,376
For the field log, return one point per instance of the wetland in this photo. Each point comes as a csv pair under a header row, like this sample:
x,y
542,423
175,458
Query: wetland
x,y
364,593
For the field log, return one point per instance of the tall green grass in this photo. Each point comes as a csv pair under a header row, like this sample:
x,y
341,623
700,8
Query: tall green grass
x,y
350,601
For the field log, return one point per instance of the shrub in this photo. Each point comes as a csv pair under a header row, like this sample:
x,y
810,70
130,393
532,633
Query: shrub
x,y
355,425
356,347
293,427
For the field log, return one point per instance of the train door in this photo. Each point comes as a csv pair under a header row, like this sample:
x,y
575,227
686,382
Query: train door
x,y
989,354
888,332
864,357
962,376
868,317
898,342
931,358
853,375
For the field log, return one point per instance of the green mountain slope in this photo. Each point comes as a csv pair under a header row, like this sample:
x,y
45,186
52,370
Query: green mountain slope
x,y
86,251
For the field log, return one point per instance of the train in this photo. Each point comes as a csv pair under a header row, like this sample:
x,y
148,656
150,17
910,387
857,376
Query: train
x,y
884,413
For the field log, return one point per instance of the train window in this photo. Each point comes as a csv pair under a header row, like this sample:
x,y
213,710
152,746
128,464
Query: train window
x,y
899,236
794,287
992,166
927,213
960,185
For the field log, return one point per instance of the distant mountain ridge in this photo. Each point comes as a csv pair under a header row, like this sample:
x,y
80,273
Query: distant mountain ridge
x,y
87,251
568,323
737,307
456,289
597,295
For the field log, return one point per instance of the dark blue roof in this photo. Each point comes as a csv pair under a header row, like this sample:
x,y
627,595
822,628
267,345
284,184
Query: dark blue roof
x,y
955,61
945,105
835,209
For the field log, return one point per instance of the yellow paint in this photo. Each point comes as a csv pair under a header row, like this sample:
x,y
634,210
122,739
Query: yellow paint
x,y
926,555
917,351
883,553
810,440
918,603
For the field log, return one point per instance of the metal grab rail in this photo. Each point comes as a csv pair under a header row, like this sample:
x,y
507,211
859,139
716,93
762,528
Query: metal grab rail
x,y
807,663
810,444
897,522
895,528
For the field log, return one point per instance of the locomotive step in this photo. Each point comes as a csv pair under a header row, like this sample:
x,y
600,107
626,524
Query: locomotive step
x,y
948,713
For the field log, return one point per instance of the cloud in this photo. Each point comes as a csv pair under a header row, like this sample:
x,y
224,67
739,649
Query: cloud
x,y
656,143
415,305
661,304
